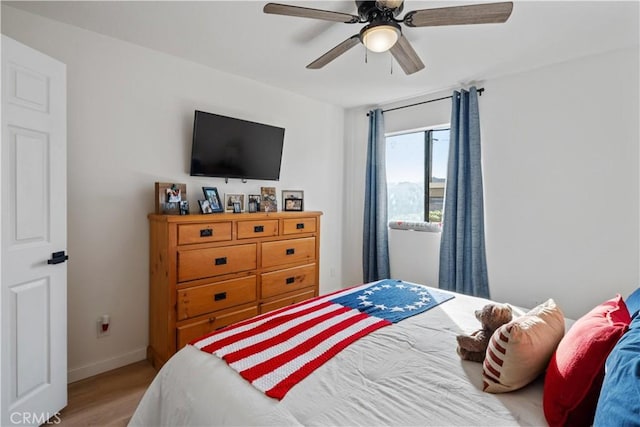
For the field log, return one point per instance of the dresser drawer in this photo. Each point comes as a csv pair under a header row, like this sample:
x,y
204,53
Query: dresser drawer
x,y
204,233
291,279
199,300
288,251
198,328
300,225
200,263
253,229
283,302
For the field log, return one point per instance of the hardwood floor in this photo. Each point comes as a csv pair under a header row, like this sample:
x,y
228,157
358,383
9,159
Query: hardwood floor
x,y
108,399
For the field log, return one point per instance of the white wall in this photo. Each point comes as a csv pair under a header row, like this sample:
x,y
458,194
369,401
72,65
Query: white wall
x,y
414,256
130,118
560,157
561,181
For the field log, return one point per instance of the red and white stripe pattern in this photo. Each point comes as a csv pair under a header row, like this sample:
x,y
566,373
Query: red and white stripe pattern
x,y
496,353
276,350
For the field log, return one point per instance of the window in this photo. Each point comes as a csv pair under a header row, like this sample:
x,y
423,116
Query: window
x,y
413,159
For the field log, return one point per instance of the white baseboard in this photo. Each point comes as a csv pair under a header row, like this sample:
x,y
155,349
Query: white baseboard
x,y
101,366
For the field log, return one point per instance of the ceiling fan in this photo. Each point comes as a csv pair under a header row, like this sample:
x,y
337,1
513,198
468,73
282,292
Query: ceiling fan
x,y
383,31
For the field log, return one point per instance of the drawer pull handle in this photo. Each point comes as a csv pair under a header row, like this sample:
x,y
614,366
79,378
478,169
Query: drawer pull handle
x,y
207,232
291,251
220,296
258,229
300,226
221,261
290,280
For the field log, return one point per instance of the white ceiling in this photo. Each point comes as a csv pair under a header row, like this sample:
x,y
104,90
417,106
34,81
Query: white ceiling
x,y
238,38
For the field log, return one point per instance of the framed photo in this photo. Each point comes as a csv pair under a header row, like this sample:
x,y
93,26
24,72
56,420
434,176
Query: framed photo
x,y
292,194
230,199
237,208
253,202
213,197
297,196
168,197
184,207
268,200
205,206
293,204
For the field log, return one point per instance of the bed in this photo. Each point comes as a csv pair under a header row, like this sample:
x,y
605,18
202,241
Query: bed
x,y
404,374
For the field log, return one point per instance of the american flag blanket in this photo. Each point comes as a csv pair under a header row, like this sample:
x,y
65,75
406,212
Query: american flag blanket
x,y
278,349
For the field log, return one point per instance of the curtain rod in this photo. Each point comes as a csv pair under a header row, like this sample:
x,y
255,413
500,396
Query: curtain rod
x,y
426,102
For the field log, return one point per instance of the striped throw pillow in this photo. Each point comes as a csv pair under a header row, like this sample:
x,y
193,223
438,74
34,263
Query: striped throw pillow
x,y
519,351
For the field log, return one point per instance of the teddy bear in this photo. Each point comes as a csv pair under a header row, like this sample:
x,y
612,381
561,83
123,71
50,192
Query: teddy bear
x,y
491,317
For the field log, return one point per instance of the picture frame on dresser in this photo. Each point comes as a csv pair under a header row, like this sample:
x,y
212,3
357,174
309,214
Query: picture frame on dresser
x,y
293,200
205,206
292,194
168,197
268,201
253,202
215,203
293,205
230,201
184,207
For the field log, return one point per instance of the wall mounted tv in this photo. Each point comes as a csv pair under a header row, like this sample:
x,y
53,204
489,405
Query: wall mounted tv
x,y
232,148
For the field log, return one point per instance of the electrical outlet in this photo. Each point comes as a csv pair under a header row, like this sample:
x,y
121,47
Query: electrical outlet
x,y
101,332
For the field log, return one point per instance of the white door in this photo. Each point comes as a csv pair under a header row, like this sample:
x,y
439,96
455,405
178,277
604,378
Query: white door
x,y
34,225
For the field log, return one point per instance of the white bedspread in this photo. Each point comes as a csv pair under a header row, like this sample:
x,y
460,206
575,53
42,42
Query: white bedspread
x,y
404,374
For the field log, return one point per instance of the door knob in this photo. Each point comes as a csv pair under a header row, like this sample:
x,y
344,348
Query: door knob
x,y
57,258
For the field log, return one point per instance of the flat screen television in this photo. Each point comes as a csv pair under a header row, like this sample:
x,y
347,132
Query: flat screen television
x,y
226,147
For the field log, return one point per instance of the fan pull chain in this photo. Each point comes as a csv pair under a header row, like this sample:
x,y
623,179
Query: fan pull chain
x,y
391,57
366,56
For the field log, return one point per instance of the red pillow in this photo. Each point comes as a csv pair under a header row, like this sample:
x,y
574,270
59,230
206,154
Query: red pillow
x,y
576,370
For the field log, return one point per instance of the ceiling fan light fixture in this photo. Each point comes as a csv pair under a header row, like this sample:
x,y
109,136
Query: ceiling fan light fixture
x,y
380,38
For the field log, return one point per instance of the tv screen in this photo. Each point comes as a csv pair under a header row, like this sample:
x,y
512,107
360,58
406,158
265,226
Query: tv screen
x,y
232,148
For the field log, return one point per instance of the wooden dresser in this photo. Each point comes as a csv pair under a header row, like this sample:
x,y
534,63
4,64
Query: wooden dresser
x,y
208,271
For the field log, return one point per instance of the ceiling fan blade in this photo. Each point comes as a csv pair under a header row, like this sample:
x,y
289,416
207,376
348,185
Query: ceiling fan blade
x,y
488,13
305,12
335,52
408,59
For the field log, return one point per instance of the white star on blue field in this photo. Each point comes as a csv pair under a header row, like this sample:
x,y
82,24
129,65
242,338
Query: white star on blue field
x,y
393,300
